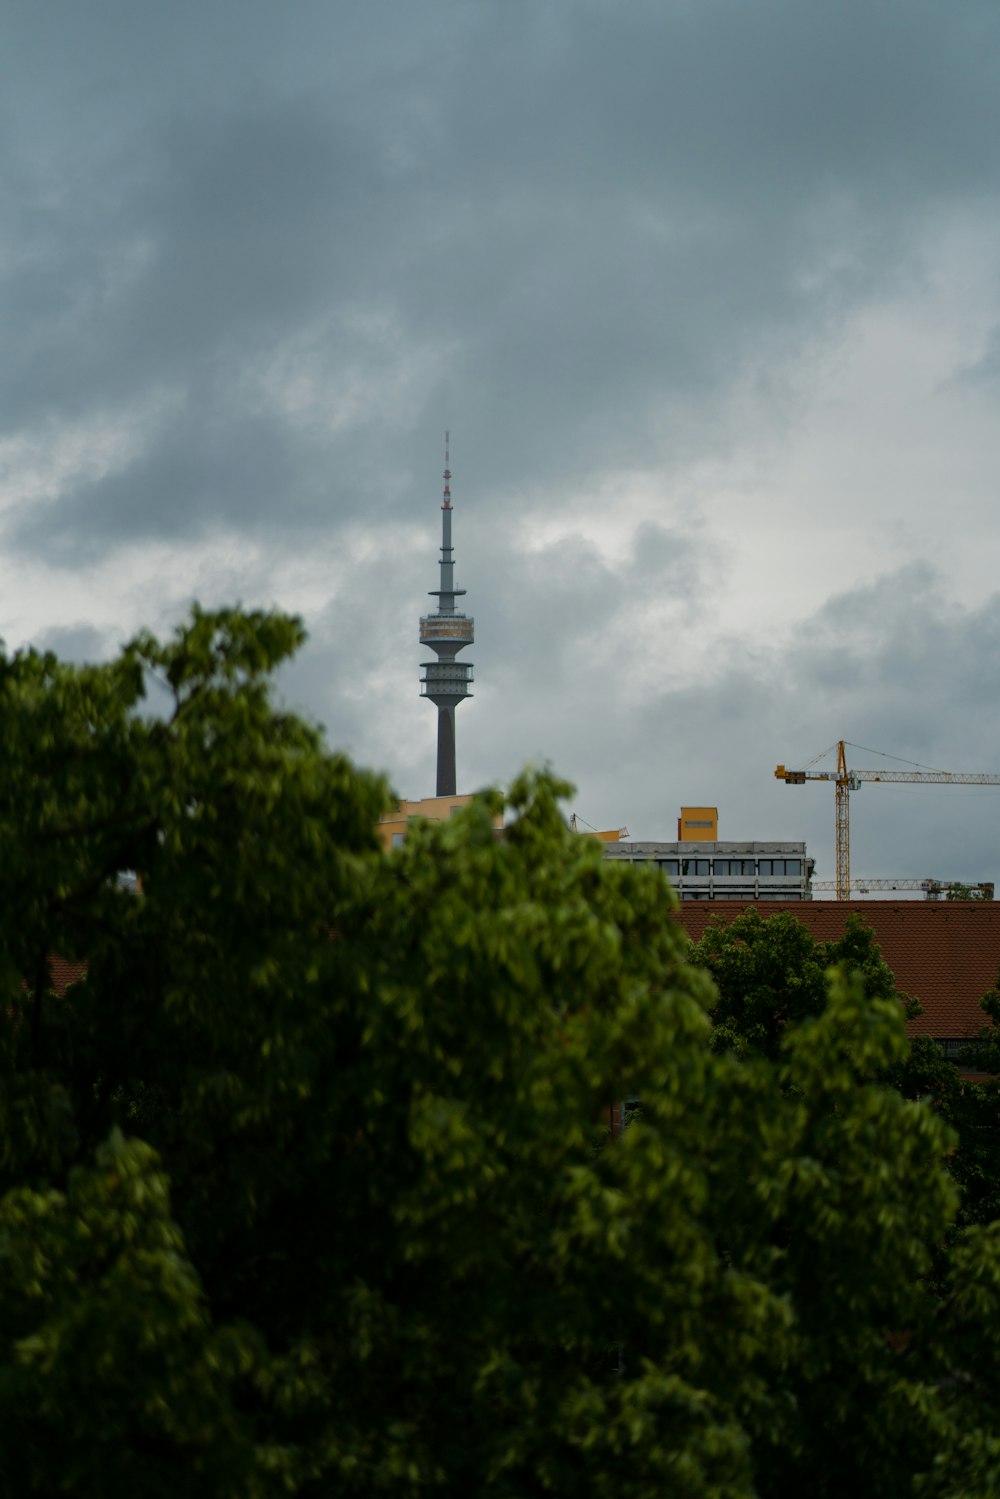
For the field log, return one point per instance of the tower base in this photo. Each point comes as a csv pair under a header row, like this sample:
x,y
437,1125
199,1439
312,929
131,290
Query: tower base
x,y
446,752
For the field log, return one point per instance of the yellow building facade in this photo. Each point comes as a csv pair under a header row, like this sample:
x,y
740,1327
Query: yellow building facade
x,y
392,828
698,825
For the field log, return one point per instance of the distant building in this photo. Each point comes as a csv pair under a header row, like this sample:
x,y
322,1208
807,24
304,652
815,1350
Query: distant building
x,y
603,835
700,867
392,828
746,872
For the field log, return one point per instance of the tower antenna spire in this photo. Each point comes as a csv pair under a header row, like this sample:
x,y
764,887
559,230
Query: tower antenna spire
x,y
446,681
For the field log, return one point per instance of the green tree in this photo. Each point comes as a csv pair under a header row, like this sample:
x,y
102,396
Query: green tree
x,y
973,1107
984,1052
771,973
304,1189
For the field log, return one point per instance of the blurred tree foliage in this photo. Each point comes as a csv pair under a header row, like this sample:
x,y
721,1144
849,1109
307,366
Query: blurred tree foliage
x,y
305,1188
770,974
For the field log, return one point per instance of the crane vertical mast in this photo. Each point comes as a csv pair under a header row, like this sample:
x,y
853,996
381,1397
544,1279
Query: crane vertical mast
x,y
845,785
845,781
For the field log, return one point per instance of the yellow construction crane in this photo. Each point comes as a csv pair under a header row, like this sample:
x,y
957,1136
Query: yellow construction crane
x,y
845,781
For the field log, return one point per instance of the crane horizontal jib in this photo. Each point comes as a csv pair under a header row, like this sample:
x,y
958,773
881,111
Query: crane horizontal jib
x,y
929,777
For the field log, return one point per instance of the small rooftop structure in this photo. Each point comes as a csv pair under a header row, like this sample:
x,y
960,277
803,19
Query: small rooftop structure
x,y
698,825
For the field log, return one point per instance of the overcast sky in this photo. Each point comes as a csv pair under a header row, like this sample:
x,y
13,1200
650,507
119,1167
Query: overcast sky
x,y
707,293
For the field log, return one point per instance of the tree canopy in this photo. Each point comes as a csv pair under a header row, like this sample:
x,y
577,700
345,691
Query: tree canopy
x,y
306,1188
770,973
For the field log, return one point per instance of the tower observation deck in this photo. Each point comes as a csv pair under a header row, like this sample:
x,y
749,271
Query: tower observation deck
x,y
446,681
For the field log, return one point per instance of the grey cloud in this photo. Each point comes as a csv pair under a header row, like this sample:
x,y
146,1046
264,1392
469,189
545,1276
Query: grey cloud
x,y
194,472
79,643
984,371
603,214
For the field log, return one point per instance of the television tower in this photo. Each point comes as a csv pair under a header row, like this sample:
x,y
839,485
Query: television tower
x,y
446,681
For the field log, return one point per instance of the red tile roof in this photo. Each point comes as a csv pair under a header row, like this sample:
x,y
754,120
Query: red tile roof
x,y
945,952
64,972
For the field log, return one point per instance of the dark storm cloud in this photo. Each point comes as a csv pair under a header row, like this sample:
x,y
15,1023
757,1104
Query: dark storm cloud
x,y
908,671
179,486
574,581
588,218
228,236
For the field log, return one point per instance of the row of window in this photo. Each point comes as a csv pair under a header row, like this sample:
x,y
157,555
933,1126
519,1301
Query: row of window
x,y
749,867
728,894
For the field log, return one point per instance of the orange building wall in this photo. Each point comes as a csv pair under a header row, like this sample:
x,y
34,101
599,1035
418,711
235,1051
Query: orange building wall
x,y
435,808
698,825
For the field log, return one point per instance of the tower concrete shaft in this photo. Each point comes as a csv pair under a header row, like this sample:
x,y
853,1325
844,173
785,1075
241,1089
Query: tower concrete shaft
x,y
446,681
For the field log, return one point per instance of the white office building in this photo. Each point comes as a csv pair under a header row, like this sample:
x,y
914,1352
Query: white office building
x,y
726,871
